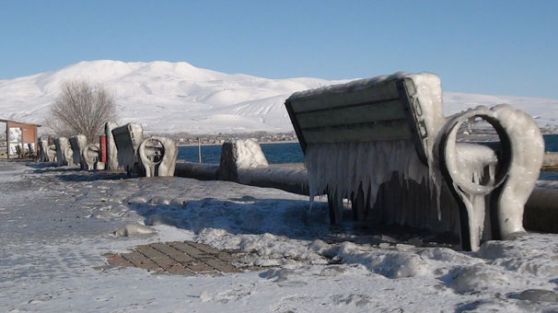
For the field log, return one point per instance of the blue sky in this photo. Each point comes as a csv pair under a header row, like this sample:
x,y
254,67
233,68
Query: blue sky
x,y
494,47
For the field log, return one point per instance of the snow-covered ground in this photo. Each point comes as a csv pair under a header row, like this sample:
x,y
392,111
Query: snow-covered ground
x,y
56,224
179,97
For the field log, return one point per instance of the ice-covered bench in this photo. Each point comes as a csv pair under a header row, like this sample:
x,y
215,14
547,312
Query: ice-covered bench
x,y
158,156
78,143
47,153
154,156
90,157
64,154
384,144
111,152
127,139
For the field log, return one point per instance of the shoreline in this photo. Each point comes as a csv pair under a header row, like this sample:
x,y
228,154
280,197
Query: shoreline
x,y
218,144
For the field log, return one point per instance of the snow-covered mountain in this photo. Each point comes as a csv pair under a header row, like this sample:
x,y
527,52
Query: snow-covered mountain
x,y
179,97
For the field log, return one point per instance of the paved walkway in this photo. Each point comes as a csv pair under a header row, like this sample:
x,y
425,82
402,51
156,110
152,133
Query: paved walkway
x,y
177,257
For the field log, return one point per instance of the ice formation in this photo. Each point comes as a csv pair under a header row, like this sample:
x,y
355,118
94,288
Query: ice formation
x,y
63,151
487,184
347,167
482,181
249,154
158,156
527,157
90,156
127,139
47,153
342,168
240,154
112,154
78,143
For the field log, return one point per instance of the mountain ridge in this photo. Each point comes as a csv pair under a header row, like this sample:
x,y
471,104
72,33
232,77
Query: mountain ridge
x,y
168,97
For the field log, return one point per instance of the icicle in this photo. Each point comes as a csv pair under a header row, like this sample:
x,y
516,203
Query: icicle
x,y
341,168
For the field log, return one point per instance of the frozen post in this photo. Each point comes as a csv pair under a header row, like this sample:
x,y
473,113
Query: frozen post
x,y
240,154
112,154
199,150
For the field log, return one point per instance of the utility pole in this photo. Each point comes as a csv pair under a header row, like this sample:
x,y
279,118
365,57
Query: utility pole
x,y
199,150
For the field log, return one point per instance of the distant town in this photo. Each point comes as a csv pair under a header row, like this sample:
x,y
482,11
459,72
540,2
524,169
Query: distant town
x,y
217,139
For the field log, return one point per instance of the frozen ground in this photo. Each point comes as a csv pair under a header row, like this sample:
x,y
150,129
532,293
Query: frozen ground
x,y
56,223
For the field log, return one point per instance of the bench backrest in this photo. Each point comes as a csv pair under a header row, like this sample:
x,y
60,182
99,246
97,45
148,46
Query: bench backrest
x,y
78,143
63,151
127,139
385,108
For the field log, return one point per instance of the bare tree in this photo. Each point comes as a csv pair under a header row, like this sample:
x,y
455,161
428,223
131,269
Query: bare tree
x,y
81,108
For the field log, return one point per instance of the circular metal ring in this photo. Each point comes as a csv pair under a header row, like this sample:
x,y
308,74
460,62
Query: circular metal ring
x,y
153,151
450,160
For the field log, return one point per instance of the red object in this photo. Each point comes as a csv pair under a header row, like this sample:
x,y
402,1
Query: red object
x,y
103,143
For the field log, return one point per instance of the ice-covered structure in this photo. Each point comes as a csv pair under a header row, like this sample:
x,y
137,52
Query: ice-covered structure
x,y
112,154
154,156
90,156
47,153
63,151
158,156
127,139
240,154
384,144
78,143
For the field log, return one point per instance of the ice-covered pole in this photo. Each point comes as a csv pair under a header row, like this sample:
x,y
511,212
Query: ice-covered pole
x,y
112,156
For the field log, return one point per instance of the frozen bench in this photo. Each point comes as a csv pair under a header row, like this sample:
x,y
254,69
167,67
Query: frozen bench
x,y
384,144
47,153
90,157
77,144
127,139
153,156
64,153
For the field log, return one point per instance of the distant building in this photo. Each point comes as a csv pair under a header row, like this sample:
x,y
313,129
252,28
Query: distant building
x,y
18,139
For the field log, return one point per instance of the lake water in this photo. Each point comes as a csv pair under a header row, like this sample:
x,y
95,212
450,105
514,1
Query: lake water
x,y
274,152
292,153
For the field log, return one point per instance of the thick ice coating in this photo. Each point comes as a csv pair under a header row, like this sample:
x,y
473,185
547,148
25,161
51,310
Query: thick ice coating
x,y
158,156
78,143
240,154
342,167
112,153
63,151
358,136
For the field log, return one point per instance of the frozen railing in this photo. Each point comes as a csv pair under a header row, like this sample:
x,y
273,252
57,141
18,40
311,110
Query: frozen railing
x,y
154,156
384,144
244,162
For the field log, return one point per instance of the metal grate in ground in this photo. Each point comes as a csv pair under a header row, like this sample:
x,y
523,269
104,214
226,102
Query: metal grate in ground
x,y
177,257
